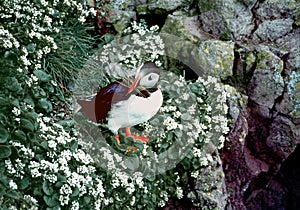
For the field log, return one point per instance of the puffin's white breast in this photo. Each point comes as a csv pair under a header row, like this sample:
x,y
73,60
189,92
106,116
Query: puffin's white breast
x,y
133,111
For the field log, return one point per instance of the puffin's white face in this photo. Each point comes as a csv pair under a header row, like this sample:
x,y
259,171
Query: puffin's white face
x,y
149,80
147,76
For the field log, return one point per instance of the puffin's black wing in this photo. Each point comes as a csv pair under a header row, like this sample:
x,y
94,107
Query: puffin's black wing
x,y
107,96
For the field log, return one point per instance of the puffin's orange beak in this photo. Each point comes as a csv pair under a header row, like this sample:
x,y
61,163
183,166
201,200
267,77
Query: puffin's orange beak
x,y
134,84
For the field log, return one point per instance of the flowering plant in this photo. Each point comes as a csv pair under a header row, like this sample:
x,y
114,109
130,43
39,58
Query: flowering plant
x,y
179,133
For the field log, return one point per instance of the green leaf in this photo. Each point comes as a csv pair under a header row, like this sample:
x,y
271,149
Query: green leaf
x,y
51,201
19,135
13,194
12,84
3,101
43,76
186,116
27,124
31,47
3,119
44,144
37,192
3,135
132,163
45,104
32,116
15,102
186,164
23,183
139,145
87,199
48,190
2,191
128,140
5,151
75,192
28,100
108,37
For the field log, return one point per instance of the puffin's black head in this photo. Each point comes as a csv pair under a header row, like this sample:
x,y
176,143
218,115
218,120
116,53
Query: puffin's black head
x,y
147,76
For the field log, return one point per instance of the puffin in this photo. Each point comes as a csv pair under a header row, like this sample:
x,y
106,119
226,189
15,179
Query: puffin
x,y
123,106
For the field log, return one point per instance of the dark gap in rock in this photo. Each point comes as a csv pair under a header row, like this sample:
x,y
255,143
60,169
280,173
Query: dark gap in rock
x,y
236,65
259,124
182,204
248,75
289,176
154,19
255,19
178,67
257,183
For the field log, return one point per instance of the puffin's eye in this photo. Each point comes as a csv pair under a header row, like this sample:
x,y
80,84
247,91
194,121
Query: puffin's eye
x,y
150,78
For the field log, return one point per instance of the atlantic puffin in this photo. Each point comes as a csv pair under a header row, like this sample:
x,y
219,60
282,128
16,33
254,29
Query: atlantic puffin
x,y
124,106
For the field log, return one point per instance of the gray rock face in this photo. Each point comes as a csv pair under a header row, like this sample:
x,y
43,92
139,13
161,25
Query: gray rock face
x,y
235,16
270,30
266,84
276,9
213,23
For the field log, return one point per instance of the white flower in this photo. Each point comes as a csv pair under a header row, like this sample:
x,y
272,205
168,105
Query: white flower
x,y
132,202
185,96
75,205
81,19
93,12
25,61
130,188
170,123
195,174
13,185
179,192
52,144
16,111
65,190
196,152
203,161
64,200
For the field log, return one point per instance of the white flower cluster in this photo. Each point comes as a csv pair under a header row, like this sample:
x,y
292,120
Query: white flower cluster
x,y
218,100
179,114
179,192
58,161
141,45
35,22
7,39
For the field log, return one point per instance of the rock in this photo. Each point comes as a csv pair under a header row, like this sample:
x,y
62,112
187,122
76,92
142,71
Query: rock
x,y
237,104
267,83
186,27
270,30
284,137
210,187
272,197
158,7
213,23
219,55
211,57
293,91
120,19
166,4
235,16
276,9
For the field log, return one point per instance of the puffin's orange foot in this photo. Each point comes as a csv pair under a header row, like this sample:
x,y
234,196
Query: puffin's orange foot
x,y
129,149
143,139
117,137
